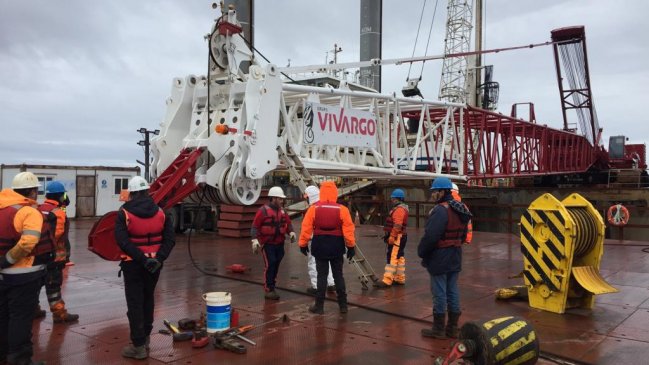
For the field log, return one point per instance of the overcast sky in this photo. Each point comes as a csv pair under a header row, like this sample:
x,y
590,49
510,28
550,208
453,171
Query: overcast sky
x,y
78,78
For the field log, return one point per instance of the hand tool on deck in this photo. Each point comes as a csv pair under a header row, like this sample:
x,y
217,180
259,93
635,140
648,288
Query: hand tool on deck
x,y
176,333
227,339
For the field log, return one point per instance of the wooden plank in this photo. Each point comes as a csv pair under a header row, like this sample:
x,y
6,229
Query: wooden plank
x,y
236,217
234,224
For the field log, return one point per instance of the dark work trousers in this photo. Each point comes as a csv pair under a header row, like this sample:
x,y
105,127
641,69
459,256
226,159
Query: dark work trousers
x,y
402,248
53,282
273,255
139,286
17,305
322,266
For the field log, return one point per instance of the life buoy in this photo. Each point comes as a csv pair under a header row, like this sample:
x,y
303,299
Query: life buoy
x,y
618,215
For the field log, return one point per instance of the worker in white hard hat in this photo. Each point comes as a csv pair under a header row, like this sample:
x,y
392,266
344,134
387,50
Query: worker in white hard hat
x,y
25,250
146,236
269,230
312,194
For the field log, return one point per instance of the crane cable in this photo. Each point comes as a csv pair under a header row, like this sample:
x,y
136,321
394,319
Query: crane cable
x,y
430,32
414,47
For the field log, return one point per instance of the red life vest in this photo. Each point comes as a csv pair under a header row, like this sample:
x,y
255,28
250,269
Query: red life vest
x,y
274,224
389,222
9,237
49,208
146,233
455,230
327,219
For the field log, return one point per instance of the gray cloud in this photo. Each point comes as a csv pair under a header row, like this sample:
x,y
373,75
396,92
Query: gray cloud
x,y
79,77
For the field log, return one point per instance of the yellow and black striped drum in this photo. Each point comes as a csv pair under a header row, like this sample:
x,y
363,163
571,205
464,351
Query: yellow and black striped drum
x,y
501,341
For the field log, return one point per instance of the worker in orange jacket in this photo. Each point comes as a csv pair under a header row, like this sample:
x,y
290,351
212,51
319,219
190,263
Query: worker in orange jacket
x,y
455,192
330,228
396,238
25,250
54,198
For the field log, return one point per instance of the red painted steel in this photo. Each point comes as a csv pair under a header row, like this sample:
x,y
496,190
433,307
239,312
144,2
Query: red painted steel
x,y
499,146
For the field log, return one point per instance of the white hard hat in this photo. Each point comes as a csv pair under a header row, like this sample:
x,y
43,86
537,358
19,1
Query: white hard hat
x,y
25,180
455,187
276,192
137,183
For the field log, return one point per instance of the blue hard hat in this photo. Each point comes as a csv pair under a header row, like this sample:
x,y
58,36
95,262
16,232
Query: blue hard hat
x,y
398,193
441,183
54,187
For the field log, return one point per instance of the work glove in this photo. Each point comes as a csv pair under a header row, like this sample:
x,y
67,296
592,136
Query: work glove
x,y
256,246
304,250
4,263
351,252
152,265
293,237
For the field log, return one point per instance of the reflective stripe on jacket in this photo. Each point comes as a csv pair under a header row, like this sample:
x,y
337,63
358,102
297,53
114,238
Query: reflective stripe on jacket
x,y
327,220
62,227
397,221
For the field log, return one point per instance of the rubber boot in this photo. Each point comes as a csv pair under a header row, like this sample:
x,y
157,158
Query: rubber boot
x,y
452,329
135,352
271,295
61,315
438,327
318,307
381,285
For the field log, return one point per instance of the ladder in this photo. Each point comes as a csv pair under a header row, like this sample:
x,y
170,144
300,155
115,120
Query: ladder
x,y
364,269
301,176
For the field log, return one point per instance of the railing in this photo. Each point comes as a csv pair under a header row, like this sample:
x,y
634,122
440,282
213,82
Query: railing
x,y
507,219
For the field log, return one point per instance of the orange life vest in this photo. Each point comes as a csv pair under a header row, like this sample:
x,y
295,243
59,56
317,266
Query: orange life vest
x,y
455,232
9,237
327,219
145,233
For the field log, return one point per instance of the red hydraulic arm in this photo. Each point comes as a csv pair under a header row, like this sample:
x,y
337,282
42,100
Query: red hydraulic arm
x,y
172,186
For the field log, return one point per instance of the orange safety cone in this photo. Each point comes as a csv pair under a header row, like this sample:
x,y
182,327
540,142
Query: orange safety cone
x,y
357,219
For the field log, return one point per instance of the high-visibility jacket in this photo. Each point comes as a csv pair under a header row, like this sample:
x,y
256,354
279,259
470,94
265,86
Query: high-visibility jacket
x,y
328,225
145,233
455,232
397,221
41,252
62,227
469,226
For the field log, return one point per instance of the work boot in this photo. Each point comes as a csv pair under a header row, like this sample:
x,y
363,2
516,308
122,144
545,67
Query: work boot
x,y
398,283
317,308
381,285
147,343
438,327
331,288
135,352
61,315
39,313
452,329
311,290
343,307
271,295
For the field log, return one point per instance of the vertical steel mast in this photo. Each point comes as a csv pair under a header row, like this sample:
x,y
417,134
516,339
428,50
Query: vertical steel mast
x,y
459,24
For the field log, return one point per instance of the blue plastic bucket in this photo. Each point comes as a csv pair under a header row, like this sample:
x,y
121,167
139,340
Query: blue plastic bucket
x,y
218,311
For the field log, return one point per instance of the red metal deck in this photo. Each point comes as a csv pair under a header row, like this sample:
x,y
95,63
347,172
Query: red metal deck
x,y
382,326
